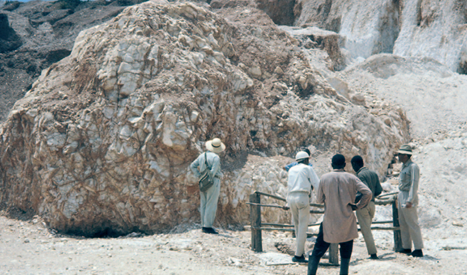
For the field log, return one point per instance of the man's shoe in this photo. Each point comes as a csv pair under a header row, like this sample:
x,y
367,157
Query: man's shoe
x,y
300,259
417,253
405,251
210,230
204,230
374,257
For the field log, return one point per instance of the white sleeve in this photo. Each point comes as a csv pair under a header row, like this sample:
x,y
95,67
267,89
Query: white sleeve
x,y
313,178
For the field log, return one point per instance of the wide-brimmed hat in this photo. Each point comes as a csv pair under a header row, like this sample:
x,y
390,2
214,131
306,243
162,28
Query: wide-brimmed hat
x,y
215,145
301,155
405,150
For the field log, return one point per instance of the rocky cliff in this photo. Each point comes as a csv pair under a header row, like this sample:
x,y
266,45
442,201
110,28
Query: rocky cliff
x,y
409,28
102,141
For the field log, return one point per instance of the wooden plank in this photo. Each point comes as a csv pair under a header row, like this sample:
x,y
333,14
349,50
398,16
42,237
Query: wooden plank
x,y
265,205
255,221
316,212
383,202
334,254
395,223
269,195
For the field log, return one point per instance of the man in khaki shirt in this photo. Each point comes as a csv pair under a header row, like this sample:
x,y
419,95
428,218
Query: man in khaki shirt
x,y
408,202
337,190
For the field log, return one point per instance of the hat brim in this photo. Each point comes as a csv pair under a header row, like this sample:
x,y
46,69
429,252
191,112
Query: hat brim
x,y
215,149
404,152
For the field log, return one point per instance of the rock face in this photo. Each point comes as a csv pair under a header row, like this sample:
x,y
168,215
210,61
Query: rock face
x,y
411,28
36,34
102,142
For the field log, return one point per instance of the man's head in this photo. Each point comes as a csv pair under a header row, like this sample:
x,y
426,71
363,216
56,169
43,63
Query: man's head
x,y
357,163
338,161
404,153
303,157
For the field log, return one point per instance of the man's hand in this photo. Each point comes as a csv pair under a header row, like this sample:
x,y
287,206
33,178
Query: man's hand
x,y
285,207
408,205
354,206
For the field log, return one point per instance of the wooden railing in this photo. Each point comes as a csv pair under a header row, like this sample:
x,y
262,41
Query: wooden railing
x,y
257,226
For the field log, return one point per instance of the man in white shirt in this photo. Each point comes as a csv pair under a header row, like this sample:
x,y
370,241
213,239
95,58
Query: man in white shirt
x,y
301,182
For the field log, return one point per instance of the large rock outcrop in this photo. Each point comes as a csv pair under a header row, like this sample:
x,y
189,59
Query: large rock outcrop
x,y
102,142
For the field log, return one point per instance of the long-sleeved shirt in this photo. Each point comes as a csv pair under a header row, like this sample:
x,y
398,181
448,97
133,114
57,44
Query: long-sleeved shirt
x,y
408,183
214,162
337,190
370,179
302,178
288,166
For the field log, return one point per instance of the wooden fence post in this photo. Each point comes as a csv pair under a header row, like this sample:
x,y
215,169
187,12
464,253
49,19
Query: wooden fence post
x,y
334,254
255,221
395,223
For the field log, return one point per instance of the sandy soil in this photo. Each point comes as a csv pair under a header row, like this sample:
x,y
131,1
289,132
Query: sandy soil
x,y
27,247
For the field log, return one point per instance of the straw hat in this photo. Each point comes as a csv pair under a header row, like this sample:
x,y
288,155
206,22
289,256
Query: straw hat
x,y
301,155
405,150
215,145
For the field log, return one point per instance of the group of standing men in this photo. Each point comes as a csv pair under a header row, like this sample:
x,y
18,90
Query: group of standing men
x,y
341,192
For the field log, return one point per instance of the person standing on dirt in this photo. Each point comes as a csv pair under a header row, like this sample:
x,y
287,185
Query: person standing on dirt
x,y
366,214
301,181
288,166
408,202
337,190
209,197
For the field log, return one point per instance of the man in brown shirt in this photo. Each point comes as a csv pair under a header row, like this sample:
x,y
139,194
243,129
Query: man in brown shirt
x,y
337,190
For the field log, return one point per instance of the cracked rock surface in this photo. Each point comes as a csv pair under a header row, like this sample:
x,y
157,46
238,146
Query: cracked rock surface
x,y
102,142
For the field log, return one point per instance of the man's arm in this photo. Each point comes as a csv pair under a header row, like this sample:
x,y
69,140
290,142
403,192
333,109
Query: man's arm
x,y
320,198
313,178
288,166
378,188
414,186
194,167
366,193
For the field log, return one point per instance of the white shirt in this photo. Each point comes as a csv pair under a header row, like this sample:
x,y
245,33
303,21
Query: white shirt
x,y
302,178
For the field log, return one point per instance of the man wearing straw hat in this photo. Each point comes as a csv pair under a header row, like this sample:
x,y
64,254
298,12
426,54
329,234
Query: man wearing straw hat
x,y
301,181
407,203
209,160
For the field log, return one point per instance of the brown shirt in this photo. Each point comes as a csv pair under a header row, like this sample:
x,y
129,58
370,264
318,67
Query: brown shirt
x,y
337,190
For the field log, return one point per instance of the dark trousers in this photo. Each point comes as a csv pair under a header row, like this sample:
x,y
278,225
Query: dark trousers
x,y
321,246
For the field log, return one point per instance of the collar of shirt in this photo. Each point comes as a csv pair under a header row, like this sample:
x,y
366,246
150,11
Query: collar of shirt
x,y
406,164
361,169
339,170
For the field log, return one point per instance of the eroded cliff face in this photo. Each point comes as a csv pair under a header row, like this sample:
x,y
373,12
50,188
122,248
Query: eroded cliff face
x,y
411,28
102,142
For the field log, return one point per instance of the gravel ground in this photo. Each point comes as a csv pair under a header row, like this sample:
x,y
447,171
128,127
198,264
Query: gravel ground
x,y
27,247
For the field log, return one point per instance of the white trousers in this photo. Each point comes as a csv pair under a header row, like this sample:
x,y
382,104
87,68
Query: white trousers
x,y
208,205
410,230
299,204
365,217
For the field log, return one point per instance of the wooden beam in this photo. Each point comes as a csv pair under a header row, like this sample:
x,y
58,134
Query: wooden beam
x,y
395,223
334,254
265,205
255,221
272,196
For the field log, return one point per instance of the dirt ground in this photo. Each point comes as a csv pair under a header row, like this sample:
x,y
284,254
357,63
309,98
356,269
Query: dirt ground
x,y
27,247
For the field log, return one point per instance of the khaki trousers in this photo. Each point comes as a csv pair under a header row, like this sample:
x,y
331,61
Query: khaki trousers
x,y
410,230
365,217
299,204
208,205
